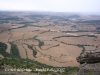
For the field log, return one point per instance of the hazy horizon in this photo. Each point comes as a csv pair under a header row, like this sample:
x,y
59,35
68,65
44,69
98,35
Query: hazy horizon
x,y
89,6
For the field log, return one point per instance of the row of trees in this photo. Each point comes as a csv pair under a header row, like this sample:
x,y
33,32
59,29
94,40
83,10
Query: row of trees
x,y
83,50
41,43
75,36
3,48
14,50
34,51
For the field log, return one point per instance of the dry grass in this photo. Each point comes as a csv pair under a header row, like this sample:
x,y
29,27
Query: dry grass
x,y
16,36
4,36
78,40
90,47
22,51
62,55
30,42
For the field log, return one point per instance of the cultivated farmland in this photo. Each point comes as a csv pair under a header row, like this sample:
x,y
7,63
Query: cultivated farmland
x,y
50,39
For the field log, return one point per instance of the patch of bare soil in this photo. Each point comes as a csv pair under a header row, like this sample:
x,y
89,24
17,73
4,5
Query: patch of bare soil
x,y
8,47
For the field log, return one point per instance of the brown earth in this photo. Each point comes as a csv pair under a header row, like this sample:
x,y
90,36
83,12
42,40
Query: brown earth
x,y
22,51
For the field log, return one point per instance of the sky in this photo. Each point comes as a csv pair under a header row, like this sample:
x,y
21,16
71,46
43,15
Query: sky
x,y
51,5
